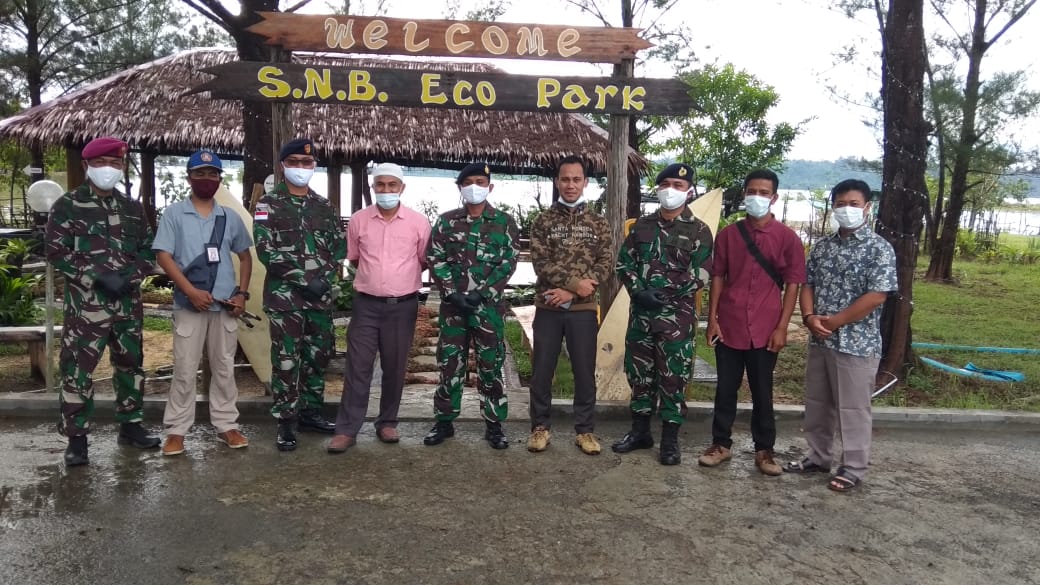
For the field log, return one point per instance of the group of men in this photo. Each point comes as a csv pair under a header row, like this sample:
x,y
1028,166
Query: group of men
x,y
100,241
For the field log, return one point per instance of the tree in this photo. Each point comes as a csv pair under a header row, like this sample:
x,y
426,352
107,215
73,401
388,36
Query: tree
x,y
974,131
730,136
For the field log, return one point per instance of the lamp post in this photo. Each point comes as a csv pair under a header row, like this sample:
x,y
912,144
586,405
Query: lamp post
x,y
41,195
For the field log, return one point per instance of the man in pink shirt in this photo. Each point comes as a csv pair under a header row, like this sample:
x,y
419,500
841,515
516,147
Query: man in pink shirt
x,y
386,243
755,259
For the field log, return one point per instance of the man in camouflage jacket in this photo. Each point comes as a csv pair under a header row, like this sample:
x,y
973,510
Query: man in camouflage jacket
x,y
472,254
98,239
298,239
663,263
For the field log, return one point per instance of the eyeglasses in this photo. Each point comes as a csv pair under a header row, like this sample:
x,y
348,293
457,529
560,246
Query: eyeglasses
x,y
296,162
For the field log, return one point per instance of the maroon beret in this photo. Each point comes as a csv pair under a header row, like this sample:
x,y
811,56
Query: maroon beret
x,y
105,146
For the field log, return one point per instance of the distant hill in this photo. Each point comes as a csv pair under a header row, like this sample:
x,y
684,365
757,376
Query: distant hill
x,y
822,174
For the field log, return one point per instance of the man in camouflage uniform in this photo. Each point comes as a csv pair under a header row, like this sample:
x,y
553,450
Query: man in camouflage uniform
x,y
299,241
98,239
472,254
663,263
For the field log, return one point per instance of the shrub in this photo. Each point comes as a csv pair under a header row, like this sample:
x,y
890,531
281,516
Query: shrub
x,y
16,298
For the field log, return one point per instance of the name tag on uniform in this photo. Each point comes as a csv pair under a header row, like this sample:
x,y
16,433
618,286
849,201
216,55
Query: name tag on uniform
x,y
212,254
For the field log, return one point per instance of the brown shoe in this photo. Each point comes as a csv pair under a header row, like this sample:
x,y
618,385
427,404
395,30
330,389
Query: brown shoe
x,y
587,443
714,455
339,443
388,435
174,445
539,440
233,438
764,462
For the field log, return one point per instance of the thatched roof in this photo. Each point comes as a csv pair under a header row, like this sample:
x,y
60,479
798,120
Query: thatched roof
x,y
147,107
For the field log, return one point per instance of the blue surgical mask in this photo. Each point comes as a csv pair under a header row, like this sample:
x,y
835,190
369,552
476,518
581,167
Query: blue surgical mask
x,y
297,176
388,200
757,206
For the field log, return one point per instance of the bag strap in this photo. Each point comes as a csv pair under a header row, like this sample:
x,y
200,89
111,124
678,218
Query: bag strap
x,y
217,237
757,254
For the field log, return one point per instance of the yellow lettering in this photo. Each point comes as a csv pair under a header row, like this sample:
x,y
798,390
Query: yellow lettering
x,y
361,88
629,95
318,85
456,94
531,41
429,82
374,33
339,35
602,93
495,40
547,88
449,38
564,43
486,93
575,97
270,74
410,28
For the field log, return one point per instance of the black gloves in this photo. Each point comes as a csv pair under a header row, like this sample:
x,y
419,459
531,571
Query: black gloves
x,y
467,303
473,298
316,289
112,284
651,298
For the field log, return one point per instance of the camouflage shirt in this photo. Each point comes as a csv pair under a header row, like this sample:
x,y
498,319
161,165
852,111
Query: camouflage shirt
x,y
840,270
88,235
568,245
298,239
473,253
674,256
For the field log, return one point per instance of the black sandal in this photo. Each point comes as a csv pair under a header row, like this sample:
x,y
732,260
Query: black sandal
x,y
805,466
842,481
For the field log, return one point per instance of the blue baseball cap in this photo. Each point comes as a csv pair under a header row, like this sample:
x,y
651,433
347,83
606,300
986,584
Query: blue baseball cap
x,y
204,158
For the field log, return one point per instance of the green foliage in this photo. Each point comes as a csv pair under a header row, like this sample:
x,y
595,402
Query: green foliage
x,y
14,251
345,291
158,324
524,216
16,298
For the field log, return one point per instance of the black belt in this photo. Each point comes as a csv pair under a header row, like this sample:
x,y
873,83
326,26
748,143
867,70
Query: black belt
x,y
389,300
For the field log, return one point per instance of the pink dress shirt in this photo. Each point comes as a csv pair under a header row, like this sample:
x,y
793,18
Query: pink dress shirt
x,y
390,254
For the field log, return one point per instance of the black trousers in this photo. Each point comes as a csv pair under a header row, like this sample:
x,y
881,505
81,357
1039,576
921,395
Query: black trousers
x,y
731,364
550,329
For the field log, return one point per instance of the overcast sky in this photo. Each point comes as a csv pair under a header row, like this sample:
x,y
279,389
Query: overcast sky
x,y
788,44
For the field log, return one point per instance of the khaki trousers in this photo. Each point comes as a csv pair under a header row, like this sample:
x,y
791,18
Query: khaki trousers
x,y
218,330
837,393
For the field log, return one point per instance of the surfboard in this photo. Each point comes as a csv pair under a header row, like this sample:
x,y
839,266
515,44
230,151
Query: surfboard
x,y
255,341
611,382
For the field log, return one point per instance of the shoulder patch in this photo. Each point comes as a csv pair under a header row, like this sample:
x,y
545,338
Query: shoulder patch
x,y
262,212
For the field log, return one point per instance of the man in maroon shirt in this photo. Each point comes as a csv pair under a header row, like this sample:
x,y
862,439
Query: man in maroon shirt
x,y
748,315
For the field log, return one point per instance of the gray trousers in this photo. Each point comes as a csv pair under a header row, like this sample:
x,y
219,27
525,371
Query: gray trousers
x,y
388,329
579,328
837,391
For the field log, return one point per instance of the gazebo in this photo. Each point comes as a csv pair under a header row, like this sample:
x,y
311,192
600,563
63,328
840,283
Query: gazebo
x,y
151,108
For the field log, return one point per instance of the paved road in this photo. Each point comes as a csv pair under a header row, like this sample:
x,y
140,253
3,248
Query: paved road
x,y
941,506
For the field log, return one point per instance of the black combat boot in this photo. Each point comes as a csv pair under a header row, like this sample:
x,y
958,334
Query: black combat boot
x,y
76,452
286,440
311,420
494,435
439,432
670,454
133,434
637,438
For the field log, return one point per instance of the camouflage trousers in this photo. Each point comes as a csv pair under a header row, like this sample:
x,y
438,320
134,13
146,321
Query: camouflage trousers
x,y
302,344
486,330
82,343
659,364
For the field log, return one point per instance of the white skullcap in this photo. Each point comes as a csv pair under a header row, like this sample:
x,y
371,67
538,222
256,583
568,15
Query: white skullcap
x,y
387,170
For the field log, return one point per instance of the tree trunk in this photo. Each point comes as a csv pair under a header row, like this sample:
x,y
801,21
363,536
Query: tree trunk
x,y
616,196
904,192
635,187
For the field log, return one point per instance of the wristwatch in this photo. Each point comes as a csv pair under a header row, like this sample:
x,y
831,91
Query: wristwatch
x,y
238,291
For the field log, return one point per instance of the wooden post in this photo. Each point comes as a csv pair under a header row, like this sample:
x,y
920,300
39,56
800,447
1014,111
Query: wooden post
x,y
614,208
75,175
281,118
148,186
359,194
335,169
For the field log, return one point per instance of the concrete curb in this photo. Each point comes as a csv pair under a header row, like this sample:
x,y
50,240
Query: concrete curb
x,y
39,405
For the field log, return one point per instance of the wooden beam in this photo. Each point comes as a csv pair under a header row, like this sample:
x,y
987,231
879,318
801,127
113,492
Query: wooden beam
x,y
447,38
75,175
335,169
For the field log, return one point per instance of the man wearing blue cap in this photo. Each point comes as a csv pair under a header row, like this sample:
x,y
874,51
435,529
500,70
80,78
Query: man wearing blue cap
x,y
193,245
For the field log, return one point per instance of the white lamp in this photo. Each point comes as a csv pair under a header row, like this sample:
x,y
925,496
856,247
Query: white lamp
x,y
41,196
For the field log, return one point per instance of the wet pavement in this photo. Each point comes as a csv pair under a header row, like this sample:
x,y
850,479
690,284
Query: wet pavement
x,y
941,505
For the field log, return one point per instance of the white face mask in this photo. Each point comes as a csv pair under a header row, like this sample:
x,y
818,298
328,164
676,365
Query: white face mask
x,y
297,176
104,178
572,204
849,217
671,198
757,206
474,194
388,200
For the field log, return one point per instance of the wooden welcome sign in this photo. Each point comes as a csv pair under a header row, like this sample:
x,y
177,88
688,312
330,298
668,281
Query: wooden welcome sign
x,y
290,82
447,38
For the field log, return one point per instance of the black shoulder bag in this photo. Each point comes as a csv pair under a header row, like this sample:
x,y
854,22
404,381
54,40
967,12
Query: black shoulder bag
x,y
201,273
758,255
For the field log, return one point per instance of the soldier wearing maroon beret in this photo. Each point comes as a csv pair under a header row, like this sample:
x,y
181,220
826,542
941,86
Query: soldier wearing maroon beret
x,y
98,239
